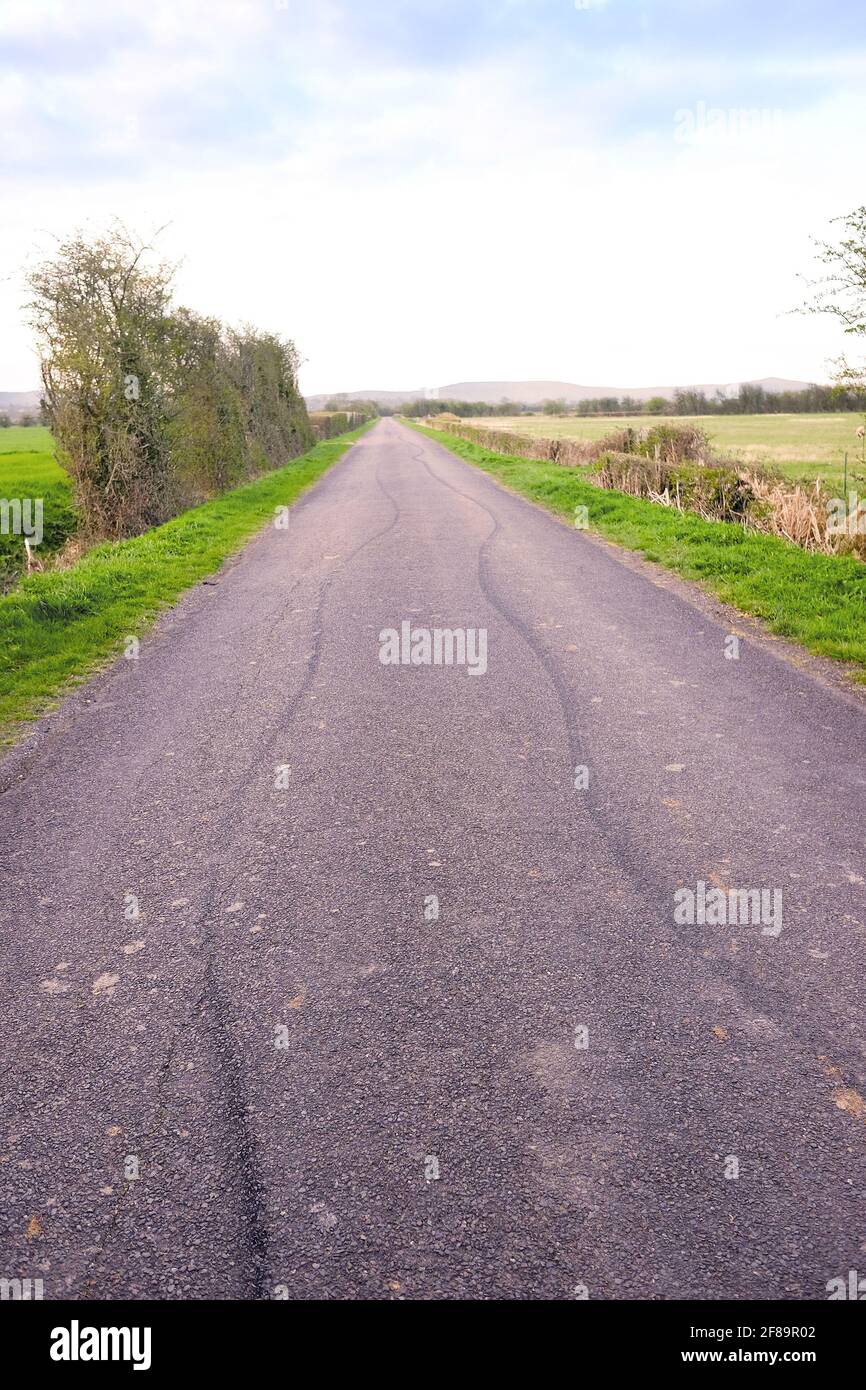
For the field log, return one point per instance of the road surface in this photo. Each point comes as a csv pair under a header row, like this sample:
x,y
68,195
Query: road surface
x,y
322,978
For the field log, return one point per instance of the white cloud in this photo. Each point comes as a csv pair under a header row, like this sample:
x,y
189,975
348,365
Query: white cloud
x,y
416,222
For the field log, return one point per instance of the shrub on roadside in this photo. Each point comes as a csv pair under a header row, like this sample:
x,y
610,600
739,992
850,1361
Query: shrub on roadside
x,y
673,443
720,492
153,407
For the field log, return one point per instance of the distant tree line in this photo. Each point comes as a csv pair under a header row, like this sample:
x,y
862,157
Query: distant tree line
x,y
425,406
153,407
25,418
353,406
749,400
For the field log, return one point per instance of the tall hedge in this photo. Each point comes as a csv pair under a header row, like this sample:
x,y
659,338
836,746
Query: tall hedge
x,y
153,406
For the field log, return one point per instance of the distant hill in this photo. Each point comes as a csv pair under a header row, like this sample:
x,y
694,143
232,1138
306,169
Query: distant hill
x,y
15,403
534,392
383,397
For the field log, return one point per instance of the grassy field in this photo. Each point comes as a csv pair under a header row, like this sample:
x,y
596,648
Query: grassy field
x,y
26,439
817,600
28,469
59,625
801,446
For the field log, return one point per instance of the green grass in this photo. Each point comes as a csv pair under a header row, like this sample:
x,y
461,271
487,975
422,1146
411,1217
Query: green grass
x,y
800,446
60,625
28,468
816,600
26,439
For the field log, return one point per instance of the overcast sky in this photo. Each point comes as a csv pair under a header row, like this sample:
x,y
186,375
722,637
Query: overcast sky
x,y
610,192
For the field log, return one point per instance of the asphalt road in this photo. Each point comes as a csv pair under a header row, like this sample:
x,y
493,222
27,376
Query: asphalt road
x,y
327,1092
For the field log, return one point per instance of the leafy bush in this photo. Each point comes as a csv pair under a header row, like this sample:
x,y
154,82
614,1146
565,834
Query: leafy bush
x,y
672,442
720,491
154,407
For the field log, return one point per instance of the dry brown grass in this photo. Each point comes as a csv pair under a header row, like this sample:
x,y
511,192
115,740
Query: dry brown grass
x,y
570,452
802,515
679,472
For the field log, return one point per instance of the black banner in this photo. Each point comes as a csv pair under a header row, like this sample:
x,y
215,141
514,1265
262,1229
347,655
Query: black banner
x,y
152,1339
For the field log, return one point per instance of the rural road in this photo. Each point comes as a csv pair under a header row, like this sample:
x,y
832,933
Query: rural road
x,y
328,1093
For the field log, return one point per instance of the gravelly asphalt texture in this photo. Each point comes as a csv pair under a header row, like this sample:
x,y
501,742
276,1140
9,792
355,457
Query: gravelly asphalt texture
x,y
297,917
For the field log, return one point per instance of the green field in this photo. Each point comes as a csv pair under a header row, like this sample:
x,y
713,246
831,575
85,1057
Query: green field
x,y
800,446
28,469
817,600
59,625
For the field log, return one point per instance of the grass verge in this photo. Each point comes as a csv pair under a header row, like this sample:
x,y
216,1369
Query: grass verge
x,y
816,600
57,626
